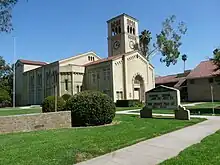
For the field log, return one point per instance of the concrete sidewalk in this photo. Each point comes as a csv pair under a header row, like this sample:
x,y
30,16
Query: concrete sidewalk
x,y
158,149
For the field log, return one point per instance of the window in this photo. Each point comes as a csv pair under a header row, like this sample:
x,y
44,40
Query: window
x,y
119,95
116,30
210,80
66,84
93,58
191,82
77,87
108,74
89,58
128,29
93,78
119,29
133,31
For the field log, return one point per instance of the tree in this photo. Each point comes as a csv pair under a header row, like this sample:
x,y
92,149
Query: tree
x,y
145,39
6,80
5,15
216,58
168,41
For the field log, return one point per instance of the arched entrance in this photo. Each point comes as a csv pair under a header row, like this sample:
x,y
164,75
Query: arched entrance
x,y
138,88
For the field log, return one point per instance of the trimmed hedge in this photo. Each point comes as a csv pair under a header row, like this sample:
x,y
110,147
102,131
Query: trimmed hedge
x,y
66,97
128,103
204,110
91,108
48,104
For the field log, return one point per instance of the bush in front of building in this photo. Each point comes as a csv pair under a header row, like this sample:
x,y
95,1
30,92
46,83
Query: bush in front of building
x,y
48,104
5,98
66,97
90,108
128,103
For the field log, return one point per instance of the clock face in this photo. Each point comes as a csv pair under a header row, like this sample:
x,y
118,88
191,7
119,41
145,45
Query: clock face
x,y
116,44
131,44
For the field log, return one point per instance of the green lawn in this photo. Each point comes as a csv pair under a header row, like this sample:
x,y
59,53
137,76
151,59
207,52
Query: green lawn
x,y
204,105
127,108
204,153
68,146
18,111
204,108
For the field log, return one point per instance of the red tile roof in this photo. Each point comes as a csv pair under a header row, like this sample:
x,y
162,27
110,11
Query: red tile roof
x,y
167,79
171,78
32,62
204,69
103,60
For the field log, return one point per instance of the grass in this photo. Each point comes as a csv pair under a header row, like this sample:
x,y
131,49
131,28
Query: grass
x,y
127,108
68,146
18,111
204,105
204,109
204,153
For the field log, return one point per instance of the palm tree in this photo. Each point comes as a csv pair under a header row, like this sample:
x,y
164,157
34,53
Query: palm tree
x,y
184,58
145,38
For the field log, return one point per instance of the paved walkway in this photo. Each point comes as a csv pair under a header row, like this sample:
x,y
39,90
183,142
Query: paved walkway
x,y
158,149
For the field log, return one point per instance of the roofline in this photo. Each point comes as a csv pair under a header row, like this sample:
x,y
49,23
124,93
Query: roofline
x,y
122,15
30,62
79,55
190,78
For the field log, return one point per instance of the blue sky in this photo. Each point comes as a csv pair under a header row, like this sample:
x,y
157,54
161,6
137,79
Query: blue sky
x,y
49,30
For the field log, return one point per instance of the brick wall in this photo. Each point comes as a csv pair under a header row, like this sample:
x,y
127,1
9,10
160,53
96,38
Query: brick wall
x,y
32,122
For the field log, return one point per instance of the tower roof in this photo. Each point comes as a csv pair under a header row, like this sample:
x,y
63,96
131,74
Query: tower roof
x,y
121,16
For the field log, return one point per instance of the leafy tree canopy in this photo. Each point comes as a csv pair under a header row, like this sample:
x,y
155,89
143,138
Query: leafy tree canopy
x,y
216,57
168,41
5,15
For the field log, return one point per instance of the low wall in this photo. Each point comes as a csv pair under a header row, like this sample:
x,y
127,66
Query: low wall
x,y
31,122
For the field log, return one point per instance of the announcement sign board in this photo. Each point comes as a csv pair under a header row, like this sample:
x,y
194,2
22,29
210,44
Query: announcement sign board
x,y
162,97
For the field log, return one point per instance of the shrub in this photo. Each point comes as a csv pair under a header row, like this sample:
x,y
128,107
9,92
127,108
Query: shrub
x,y
128,103
91,108
66,97
5,99
48,104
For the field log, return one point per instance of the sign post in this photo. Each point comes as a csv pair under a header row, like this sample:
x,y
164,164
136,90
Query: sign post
x,y
213,109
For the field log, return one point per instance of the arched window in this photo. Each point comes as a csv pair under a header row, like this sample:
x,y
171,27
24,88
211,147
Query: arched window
x,y
119,29
134,31
93,58
116,30
128,29
113,32
131,30
89,58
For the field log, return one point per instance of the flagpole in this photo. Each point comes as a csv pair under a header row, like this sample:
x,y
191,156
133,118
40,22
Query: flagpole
x,y
14,44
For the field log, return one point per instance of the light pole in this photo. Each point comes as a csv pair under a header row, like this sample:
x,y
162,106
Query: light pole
x,y
184,58
14,43
213,109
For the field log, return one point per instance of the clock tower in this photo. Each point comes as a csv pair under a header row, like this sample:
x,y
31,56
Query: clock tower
x,y
122,35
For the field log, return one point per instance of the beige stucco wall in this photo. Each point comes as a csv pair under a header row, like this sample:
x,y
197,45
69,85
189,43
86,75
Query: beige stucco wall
x,y
135,65
201,90
101,84
118,81
74,74
30,67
